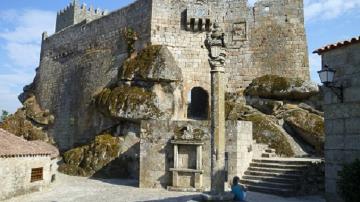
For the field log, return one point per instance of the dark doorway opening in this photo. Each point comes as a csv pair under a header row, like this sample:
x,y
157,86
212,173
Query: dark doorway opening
x,y
198,104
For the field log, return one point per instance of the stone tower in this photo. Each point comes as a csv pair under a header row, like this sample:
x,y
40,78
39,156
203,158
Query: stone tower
x,y
76,13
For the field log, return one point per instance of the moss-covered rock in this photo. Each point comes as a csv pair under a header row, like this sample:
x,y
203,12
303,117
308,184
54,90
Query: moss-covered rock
x,y
130,102
154,63
19,125
266,106
281,88
266,131
35,113
237,111
308,126
87,160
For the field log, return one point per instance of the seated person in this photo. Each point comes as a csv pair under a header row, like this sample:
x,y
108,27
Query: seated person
x,y
238,190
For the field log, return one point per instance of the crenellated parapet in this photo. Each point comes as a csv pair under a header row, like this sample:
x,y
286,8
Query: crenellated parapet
x,y
75,13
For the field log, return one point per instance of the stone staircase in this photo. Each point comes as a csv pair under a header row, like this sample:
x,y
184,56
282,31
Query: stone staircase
x,y
279,176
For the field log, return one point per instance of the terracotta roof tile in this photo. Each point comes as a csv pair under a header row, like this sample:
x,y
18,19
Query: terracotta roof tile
x,y
12,146
337,45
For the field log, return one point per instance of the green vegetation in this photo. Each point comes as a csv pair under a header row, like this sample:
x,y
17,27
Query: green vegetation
x,y
130,37
88,159
140,66
4,115
308,125
349,180
269,84
126,99
267,132
18,125
281,88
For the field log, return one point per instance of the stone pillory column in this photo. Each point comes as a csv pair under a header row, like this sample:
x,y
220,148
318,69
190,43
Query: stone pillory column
x,y
217,53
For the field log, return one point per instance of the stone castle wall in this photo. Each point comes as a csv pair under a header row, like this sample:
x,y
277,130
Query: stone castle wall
x,y
267,39
79,62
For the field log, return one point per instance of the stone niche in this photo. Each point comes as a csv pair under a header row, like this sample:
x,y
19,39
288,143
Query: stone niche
x,y
239,32
198,17
176,154
187,171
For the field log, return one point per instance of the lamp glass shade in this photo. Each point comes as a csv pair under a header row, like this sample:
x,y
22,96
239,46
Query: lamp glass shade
x,y
327,75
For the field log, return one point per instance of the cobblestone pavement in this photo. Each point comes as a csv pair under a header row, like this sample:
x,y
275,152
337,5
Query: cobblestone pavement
x,y
77,189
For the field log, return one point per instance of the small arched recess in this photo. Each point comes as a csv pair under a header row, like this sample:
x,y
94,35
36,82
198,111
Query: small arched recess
x,y
198,104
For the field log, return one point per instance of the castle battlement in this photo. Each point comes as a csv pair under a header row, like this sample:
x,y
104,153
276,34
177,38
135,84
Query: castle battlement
x,y
75,13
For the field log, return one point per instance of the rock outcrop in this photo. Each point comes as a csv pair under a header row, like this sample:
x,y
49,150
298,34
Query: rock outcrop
x,y
281,118
306,125
29,122
281,88
98,156
148,87
266,131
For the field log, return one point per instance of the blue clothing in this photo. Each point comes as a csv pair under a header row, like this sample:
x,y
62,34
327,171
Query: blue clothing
x,y
239,192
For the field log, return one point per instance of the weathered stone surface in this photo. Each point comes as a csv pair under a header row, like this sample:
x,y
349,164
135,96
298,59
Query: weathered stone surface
x,y
128,102
157,155
265,128
84,57
96,157
236,111
313,180
308,126
154,63
19,125
276,87
36,114
148,87
266,131
266,106
311,109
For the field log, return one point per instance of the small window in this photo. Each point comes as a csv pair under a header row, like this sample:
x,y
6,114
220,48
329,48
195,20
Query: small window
x,y
207,25
200,25
267,8
36,174
192,24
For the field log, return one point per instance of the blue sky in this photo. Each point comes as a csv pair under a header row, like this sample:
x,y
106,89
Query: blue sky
x,y
23,21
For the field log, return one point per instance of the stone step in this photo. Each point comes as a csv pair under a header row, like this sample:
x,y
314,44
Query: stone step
x,y
280,179
275,170
268,184
271,174
268,155
271,190
282,161
278,165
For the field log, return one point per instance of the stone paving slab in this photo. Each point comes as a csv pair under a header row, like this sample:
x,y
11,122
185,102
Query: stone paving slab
x,y
78,189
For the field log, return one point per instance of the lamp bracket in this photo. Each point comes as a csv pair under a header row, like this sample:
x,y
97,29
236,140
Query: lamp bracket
x,y
337,90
